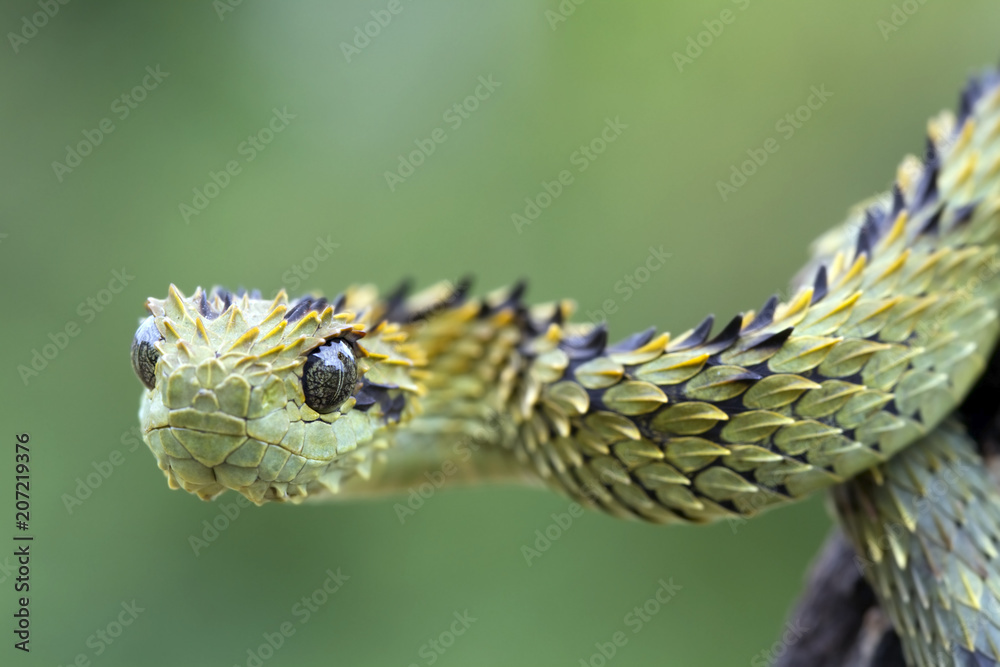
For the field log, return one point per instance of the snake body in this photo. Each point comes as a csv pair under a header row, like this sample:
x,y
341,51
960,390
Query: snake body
x,y
845,383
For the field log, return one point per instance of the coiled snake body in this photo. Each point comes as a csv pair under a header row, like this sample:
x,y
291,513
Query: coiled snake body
x,y
849,383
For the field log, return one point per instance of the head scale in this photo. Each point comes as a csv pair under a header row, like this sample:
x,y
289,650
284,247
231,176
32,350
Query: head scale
x,y
275,401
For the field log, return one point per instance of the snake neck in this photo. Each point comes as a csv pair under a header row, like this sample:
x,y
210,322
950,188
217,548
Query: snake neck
x,y
894,322
460,430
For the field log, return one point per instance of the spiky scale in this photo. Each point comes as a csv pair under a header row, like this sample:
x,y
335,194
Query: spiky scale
x,y
776,391
802,354
720,383
599,373
673,368
889,326
688,418
753,425
634,397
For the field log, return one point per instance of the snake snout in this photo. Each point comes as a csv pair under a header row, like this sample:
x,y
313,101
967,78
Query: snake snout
x,y
243,433
236,397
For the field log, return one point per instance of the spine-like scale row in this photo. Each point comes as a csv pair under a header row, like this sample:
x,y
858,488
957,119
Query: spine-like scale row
x,y
897,324
230,413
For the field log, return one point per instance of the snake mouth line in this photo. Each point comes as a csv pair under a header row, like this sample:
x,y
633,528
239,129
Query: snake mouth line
x,y
212,463
845,382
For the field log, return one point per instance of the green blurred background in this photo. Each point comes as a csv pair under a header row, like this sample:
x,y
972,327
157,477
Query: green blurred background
x,y
324,175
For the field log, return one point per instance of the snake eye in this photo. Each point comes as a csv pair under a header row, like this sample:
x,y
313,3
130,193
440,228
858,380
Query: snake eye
x,y
144,353
329,376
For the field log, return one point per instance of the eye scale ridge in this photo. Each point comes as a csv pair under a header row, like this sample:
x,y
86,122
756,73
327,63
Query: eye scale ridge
x,y
847,385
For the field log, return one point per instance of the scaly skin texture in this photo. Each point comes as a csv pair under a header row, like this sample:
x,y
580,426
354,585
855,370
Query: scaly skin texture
x,y
889,326
925,527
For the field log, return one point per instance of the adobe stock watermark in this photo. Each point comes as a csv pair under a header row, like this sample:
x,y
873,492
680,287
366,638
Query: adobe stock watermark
x,y
7,569
630,283
928,327
770,485
562,12
563,521
547,536
300,271
223,7
581,158
248,149
714,27
757,503
31,24
937,492
793,634
302,611
898,17
364,34
462,451
435,647
87,310
635,620
227,515
102,470
454,116
104,637
786,126
121,107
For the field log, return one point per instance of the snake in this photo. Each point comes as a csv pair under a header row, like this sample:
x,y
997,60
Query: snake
x,y
847,384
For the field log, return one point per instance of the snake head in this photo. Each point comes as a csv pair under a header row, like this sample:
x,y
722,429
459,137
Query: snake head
x,y
274,400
